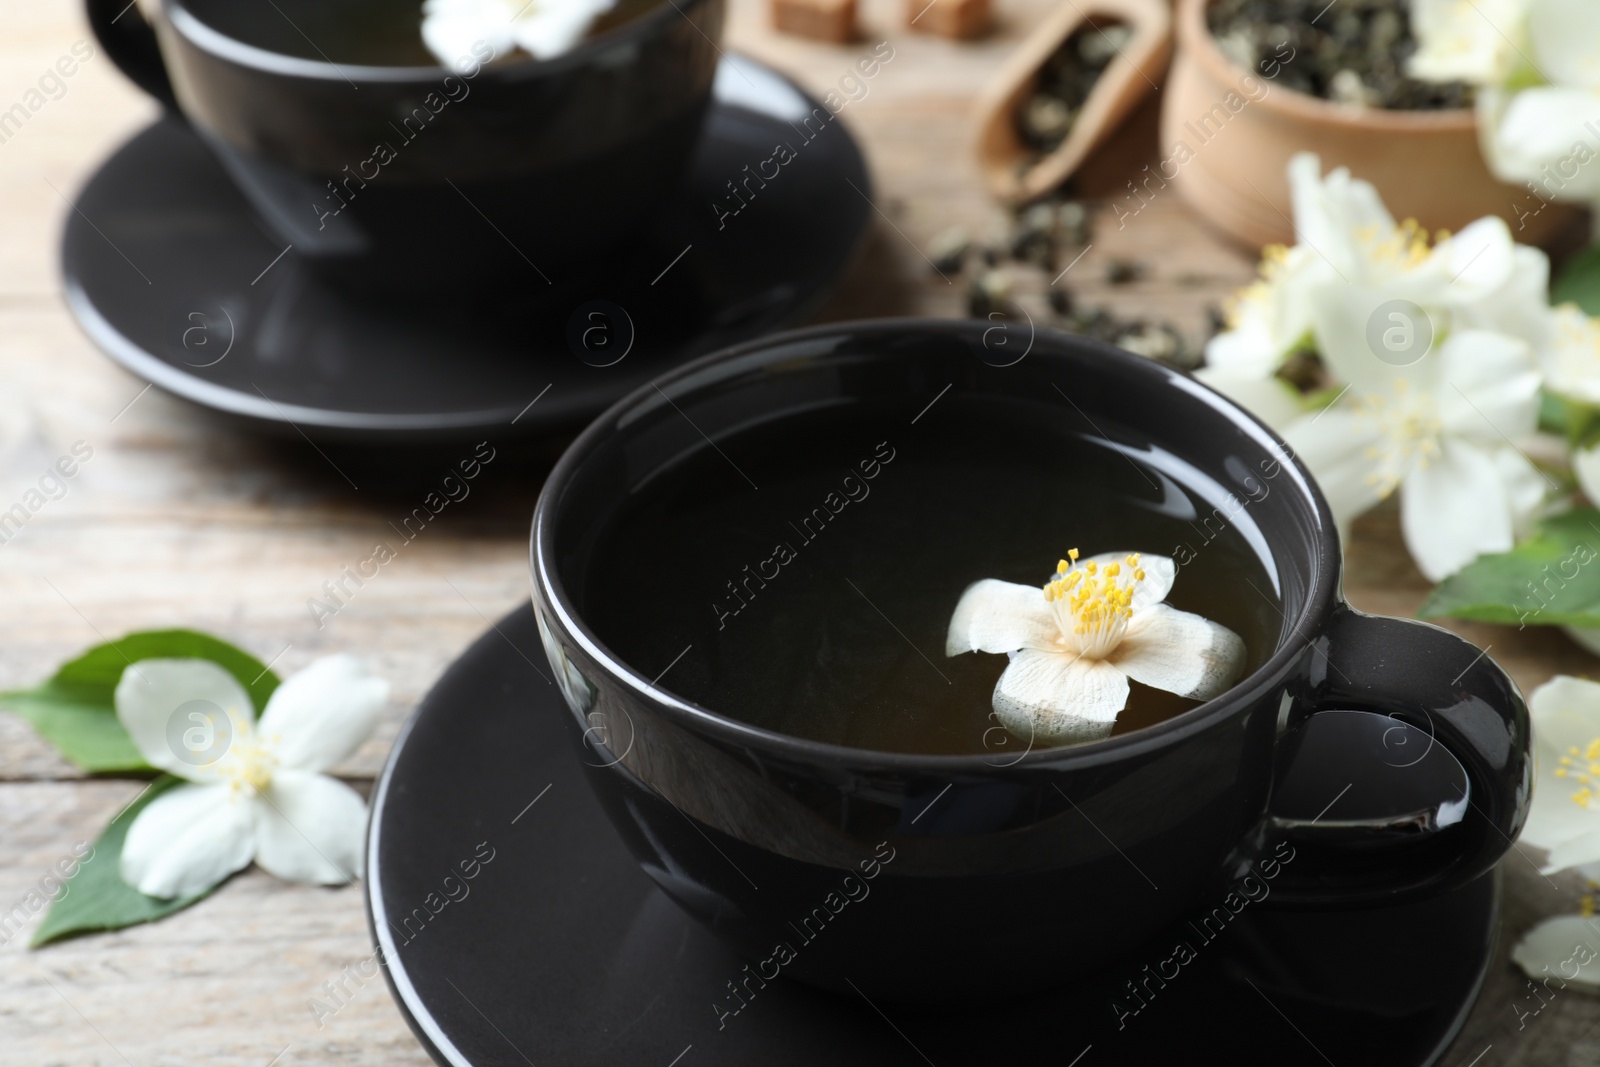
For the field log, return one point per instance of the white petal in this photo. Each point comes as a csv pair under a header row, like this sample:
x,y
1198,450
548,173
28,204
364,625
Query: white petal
x,y
1464,40
309,828
1350,318
1541,135
1159,574
1490,389
1302,270
1519,307
1248,348
188,839
1334,443
1478,260
1179,652
1059,698
1570,354
1454,509
1565,714
1573,852
996,616
1555,817
319,715
1565,35
1545,122
1563,949
1525,489
1331,211
181,714
450,29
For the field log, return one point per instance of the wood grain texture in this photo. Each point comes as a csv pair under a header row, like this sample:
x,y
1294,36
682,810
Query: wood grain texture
x,y
176,521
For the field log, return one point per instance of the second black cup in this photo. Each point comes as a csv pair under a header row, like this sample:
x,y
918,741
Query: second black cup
x,y
514,173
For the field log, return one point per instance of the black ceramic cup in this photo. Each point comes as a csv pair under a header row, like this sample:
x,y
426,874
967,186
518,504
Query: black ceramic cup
x,y
919,877
419,179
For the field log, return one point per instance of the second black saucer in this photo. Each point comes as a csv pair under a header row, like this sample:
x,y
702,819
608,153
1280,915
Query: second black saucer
x,y
516,928
169,272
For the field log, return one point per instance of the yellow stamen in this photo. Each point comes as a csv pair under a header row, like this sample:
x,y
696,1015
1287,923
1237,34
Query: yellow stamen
x,y
1092,604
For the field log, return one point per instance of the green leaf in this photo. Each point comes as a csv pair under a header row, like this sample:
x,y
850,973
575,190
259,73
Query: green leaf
x,y
80,722
96,897
1575,420
74,710
1580,282
1551,579
1554,416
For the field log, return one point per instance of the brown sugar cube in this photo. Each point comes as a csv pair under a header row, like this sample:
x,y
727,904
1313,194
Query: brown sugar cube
x,y
821,20
958,19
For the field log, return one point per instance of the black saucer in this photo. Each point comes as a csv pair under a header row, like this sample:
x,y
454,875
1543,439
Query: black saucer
x,y
168,271
560,951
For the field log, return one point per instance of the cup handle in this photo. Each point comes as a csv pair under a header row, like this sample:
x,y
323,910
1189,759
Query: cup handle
x,y
128,39
1432,681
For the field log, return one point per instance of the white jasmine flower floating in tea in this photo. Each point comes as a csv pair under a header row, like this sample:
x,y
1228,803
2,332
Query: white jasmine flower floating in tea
x,y
1075,644
263,796
541,28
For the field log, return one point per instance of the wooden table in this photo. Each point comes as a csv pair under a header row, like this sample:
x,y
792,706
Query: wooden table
x,y
178,522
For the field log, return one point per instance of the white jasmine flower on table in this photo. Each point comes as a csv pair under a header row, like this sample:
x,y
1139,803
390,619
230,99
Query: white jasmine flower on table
x,y
1441,431
1438,424
1263,328
1571,355
1075,644
1564,818
1571,362
542,28
1537,65
262,797
1346,237
1474,41
1565,949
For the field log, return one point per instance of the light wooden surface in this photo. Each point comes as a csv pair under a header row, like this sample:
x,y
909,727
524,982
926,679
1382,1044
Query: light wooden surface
x,y
177,522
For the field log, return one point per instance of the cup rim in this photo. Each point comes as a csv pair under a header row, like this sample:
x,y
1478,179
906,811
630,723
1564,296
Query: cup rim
x,y
1323,596
203,35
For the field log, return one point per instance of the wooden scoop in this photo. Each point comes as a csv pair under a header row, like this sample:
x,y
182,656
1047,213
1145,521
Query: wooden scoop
x,y
1009,164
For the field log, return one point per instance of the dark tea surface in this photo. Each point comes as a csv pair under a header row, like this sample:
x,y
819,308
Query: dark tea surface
x,y
817,604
